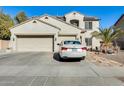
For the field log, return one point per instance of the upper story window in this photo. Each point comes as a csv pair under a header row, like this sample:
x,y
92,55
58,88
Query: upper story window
x,y
88,25
74,22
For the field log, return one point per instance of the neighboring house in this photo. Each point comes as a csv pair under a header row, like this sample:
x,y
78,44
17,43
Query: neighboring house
x,y
44,32
120,24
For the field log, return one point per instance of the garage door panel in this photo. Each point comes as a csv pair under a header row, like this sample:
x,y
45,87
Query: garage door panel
x,y
35,43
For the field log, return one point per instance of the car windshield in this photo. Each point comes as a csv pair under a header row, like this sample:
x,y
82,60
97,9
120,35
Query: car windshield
x,y
72,42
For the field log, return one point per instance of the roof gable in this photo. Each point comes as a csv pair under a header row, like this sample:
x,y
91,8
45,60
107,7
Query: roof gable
x,y
74,12
62,21
85,18
119,20
34,20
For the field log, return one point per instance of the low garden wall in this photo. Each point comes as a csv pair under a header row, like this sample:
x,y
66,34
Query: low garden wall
x,y
4,44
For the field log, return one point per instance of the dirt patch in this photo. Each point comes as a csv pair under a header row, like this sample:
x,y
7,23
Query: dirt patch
x,y
102,61
119,57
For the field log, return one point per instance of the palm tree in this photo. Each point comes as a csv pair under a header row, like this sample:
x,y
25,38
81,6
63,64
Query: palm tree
x,y
108,35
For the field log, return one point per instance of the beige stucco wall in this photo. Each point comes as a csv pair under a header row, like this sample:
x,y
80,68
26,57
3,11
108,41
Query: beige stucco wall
x,y
65,28
31,28
77,16
34,28
95,41
87,34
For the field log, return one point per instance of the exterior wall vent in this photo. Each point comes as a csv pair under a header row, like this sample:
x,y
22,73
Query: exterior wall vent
x,y
46,17
34,21
74,13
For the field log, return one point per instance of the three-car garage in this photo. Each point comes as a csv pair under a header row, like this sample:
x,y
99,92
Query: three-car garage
x,y
41,35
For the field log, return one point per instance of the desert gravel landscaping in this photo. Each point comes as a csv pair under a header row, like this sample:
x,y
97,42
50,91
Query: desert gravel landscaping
x,y
105,59
42,69
118,57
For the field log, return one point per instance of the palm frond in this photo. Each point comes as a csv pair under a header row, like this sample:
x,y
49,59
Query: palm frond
x,y
107,35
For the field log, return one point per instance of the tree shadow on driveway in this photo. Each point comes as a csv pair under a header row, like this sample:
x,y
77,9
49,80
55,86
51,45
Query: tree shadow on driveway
x,y
56,57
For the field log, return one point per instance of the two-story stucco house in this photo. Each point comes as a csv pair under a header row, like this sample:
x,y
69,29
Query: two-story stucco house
x,y
44,32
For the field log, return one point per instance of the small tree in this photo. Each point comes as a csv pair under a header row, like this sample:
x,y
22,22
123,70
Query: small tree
x,y
21,17
108,35
5,23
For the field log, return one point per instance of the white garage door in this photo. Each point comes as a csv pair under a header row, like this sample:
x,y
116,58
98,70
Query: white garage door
x,y
35,43
66,37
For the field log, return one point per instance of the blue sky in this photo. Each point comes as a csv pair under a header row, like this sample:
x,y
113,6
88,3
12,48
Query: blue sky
x,y
108,14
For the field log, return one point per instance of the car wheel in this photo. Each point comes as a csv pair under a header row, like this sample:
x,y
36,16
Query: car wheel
x,y
60,58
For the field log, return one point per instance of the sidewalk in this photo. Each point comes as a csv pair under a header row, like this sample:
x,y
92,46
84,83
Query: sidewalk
x,y
3,52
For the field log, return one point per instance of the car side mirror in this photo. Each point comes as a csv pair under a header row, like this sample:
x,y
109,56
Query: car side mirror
x,y
58,44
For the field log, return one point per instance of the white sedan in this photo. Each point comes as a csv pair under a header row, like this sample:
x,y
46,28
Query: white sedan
x,y
72,49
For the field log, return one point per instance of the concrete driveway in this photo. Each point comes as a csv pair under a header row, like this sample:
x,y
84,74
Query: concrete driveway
x,y
44,69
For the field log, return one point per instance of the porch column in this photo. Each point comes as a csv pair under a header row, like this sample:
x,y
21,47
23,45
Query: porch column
x,y
55,42
13,42
83,39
